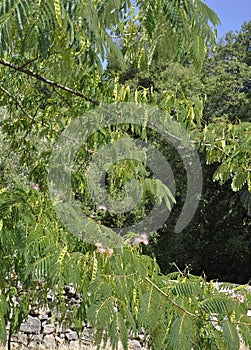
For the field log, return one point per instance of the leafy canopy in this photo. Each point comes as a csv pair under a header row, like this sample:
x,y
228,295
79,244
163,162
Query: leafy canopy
x,y
51,72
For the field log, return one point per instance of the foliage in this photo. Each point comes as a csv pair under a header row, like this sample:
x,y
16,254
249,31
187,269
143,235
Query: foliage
x,y
51,72
226,76
122,291
217,240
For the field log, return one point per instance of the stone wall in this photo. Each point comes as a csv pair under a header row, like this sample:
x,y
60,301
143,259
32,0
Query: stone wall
x,y
39,333
42,331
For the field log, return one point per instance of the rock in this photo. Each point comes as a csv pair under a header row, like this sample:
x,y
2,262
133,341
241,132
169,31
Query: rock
x,y
32,345
14,338
42,347
86,339
32,325
71,336
43,317
15,345
36,337
22,338
48,329
59,340
74,345
44,332
63,347
49,341
134,345
62,336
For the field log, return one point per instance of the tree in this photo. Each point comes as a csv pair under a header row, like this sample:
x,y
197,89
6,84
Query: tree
x,y
217,240
51,69
222,219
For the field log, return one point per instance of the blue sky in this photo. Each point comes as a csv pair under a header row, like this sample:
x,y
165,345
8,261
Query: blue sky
x,y
232,13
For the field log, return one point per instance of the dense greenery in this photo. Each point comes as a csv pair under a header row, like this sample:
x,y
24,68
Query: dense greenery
x,y
217,241
51,73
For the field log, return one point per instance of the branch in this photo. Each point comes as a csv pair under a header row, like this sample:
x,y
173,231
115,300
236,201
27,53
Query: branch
x,y
171,300
27,63
61,96
16,101
122,36
48,81
185,310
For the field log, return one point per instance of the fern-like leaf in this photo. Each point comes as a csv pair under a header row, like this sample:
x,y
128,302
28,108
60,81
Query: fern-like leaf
x,y
180,335
231,335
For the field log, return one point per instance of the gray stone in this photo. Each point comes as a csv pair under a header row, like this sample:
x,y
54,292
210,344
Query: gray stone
x,y
35,312
74,345
36,337
48,329
32,325
32,345
22,338
49,341
14,338
41,347
86,339
43,317
15,345
71,335
59,340
63,347
134,345
141,336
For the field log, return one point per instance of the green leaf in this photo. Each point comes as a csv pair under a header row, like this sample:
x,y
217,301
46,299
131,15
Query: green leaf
x,y
180,335
239,180
231,335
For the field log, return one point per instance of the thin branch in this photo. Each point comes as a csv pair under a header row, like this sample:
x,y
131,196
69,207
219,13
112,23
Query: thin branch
x,y
171,300
122,36
32,123
185,310
177,267
61,96
27,63
16,101
48,81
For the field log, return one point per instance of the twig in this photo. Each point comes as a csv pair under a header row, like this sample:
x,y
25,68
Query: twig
x,y
177,267
27,63
122,36
48,81
16,101
171,300
61,96
185,310
32,123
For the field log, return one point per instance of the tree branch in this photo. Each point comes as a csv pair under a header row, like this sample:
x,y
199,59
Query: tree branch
x,y
16,101
171,300
48,81
185,310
